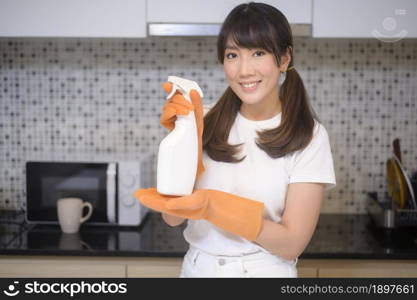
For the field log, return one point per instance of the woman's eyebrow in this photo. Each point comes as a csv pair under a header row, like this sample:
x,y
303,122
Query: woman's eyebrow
x,y
231,47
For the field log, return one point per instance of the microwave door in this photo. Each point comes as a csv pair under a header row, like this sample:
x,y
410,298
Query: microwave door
x,y
111,193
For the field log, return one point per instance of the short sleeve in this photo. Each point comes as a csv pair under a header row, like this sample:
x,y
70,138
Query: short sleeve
x,y
315,162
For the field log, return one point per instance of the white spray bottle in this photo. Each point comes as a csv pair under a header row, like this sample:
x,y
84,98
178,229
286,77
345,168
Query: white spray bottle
x,y
178,151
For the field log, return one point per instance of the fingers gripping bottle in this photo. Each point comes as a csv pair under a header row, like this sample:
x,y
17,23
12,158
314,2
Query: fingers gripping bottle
x,y
178,151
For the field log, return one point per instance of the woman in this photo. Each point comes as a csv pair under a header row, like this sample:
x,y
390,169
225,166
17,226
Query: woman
x,y
266,160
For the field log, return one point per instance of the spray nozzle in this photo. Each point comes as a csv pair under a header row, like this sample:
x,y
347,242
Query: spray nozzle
x,y
184,86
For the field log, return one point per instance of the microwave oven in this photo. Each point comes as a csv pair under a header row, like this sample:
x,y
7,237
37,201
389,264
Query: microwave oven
x,y
108,186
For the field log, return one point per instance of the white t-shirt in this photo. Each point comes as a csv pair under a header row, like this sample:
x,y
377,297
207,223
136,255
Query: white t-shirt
x,y
258,177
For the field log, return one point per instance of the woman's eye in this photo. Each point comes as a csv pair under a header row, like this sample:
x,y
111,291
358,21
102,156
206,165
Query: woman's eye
x,y
259,53
230,55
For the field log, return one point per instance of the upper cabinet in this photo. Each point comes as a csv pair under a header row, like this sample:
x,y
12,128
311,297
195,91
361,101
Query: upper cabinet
x,y
382,19
215,11
73,18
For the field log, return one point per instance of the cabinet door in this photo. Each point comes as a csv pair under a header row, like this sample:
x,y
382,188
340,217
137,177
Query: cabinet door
x,y
54,270
364,268
72,18
386,20
215,11
371,272
155,268
304,272
171,267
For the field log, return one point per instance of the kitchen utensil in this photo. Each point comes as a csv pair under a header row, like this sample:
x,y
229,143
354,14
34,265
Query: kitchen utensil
x,y
411,197
396,183
397,148
397,156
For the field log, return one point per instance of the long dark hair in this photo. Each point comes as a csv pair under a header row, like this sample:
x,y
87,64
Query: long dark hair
x,y
258,25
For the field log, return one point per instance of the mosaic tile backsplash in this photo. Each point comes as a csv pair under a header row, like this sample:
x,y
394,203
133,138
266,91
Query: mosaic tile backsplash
x,y
100,99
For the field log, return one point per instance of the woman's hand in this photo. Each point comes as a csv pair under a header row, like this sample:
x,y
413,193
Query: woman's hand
x,y
232,213
174,106
191,207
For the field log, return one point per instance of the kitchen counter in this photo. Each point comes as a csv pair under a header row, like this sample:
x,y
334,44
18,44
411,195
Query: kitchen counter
x,y
337,236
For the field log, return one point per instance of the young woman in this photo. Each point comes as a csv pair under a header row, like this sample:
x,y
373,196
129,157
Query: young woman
x,y
265,159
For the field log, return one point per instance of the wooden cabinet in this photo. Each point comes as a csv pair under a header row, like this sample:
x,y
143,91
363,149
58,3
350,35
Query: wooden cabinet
x,y
84,267
71,267
202,11
141,267
382,19
357,268
75,18
154,267
307,272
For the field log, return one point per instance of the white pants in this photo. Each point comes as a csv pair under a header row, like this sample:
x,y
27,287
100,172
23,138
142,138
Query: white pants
x,y
259,264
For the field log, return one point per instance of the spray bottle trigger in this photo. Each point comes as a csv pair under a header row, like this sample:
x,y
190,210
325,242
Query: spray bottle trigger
x,y
173,90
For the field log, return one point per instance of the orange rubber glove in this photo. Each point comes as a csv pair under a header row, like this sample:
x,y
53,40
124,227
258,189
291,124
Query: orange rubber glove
x,y
229,212
178,105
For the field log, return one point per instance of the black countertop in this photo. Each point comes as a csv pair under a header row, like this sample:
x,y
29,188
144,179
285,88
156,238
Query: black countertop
x,y
336,236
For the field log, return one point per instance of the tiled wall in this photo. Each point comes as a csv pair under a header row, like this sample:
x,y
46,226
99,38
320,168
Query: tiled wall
x,y
99,99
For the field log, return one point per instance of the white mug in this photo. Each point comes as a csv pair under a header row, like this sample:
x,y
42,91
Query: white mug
x,y
70,213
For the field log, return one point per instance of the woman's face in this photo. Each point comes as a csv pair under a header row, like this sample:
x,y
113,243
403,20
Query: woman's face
x,y
253,74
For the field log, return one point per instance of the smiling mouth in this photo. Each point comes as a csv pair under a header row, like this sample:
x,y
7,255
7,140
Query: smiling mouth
x,y
249,86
